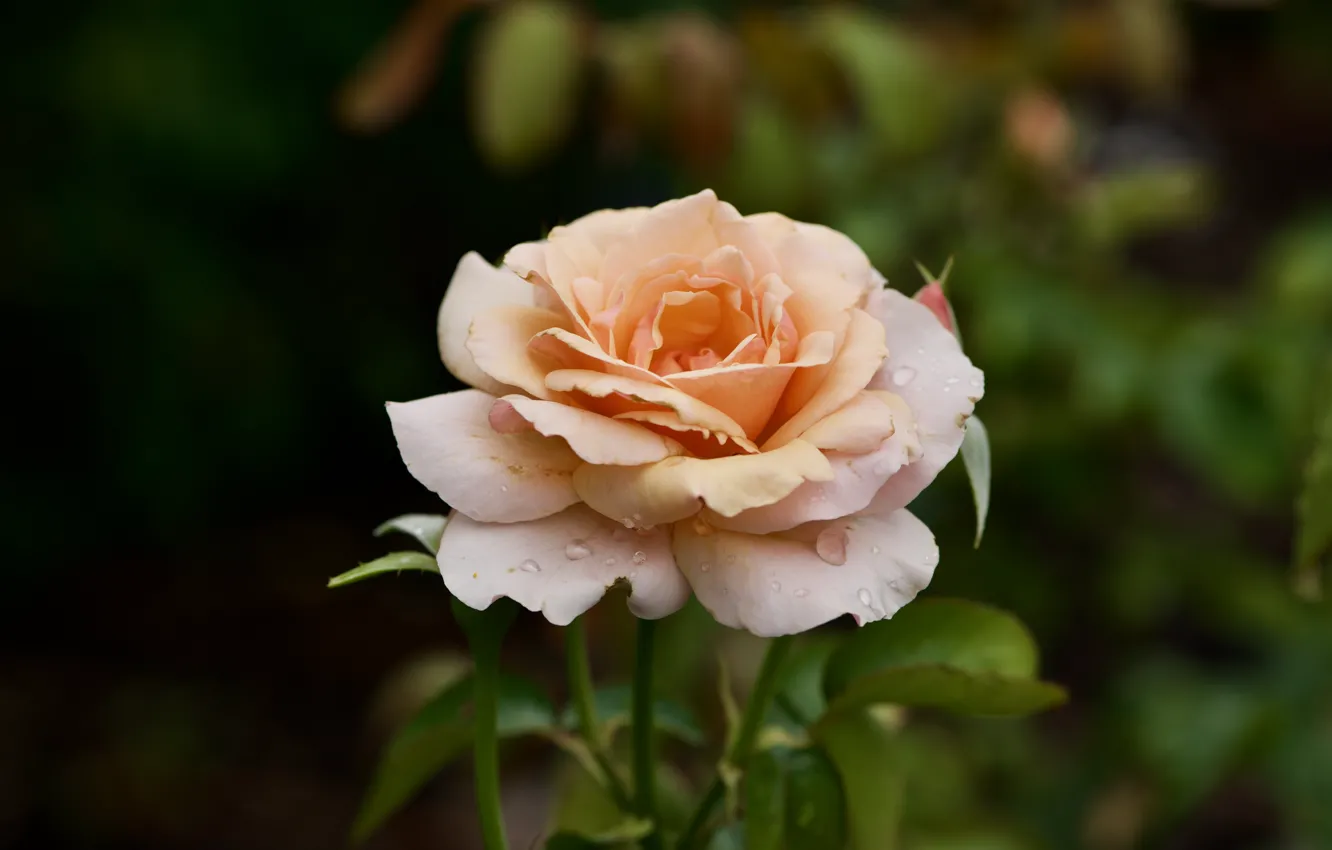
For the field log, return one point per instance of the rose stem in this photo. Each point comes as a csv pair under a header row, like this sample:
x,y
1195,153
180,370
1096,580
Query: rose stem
x,y
645,762
751,721
580,688
485,700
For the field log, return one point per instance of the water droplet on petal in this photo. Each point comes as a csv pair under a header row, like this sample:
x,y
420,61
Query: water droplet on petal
x,y
892,583
831,545
920,351
952,380
903,376
874,550
975,382
577,550
640,557
530,566
932,559
504,488
701,527
865,599
705,566
801,593
610,562
776,587
627,522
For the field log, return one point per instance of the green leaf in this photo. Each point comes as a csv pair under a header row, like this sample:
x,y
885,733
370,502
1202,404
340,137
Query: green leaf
x,y
394,562
765,800
799,700
1314,533
426,528
945,653
627,831
612,705
867,755
976,459
941,686
815,802
526,77
439,733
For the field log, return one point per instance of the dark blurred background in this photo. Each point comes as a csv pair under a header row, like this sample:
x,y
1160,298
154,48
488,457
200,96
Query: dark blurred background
x,y
227,225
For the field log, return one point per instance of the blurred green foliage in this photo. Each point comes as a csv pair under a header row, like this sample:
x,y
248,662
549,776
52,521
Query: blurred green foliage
x,y
227,226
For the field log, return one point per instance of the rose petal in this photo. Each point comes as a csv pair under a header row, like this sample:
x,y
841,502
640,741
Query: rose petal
x,y
613,394
448,445
861,424
856,363
779,585
927,368
498,342
560,565
932,296
682,226
476,287
593,437
749,393
857,478
675,488
567,350
697,440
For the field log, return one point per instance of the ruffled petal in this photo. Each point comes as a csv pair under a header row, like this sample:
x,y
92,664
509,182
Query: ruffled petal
x,y
678,487
855,365
682,226
448,445
613,394
857,479
498,342
927,368
749,392
560,565
477,286
780,584
593,437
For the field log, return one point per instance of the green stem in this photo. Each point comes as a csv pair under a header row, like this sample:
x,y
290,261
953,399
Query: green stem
x,y
751,722
580,689
486,704
645,762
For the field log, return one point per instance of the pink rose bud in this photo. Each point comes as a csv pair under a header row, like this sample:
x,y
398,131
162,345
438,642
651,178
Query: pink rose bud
x,y
932,296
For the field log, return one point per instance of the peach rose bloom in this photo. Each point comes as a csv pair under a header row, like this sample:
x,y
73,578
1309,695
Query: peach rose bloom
x,y
686,398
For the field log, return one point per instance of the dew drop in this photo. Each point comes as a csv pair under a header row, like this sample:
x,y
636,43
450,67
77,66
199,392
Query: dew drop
x,y
705,566
952,380
776,587
932,559
701,527
893,585
865,599
831,545
874,550
975,382
627,522
504,488
920,351
801,593
530,566
577,550
640,557
610,562
903,376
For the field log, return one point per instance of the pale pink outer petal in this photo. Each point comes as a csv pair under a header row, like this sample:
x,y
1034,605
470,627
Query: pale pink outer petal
x,y
448,445
678,487
498,342
476,287
560,565
593,437
927,368
778,585
854,366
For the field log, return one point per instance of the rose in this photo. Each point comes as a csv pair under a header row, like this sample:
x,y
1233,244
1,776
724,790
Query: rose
x,y
680,397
